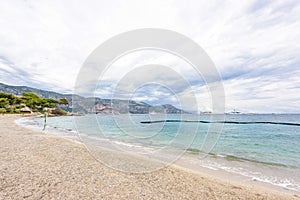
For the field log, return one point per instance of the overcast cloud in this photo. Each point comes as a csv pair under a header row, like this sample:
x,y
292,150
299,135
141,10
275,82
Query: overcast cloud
x,y
254,44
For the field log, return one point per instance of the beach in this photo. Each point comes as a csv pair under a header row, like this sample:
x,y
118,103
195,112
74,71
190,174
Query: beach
x,y
42,166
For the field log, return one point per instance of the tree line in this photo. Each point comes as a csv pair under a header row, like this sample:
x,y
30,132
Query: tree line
x,y
10,103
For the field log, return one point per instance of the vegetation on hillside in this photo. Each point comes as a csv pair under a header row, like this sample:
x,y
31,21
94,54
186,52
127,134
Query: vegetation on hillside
x,y
28,102
72,103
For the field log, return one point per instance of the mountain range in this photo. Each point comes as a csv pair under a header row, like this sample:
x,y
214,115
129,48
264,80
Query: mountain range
x,y
84,105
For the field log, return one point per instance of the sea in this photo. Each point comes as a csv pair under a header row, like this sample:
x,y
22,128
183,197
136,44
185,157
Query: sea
x,y
259,147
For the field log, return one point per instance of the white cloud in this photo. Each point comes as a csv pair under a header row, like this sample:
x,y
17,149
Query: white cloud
x,y
255,45
264,94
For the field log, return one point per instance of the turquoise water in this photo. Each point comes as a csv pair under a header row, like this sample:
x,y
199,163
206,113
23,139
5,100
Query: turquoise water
x,y
268,145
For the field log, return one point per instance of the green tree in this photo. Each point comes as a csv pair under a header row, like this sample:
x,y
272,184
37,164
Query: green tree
x,y
16,101
30,95
4,95
11,103
63,101
49,103
37,104
2,110
4,102
11,98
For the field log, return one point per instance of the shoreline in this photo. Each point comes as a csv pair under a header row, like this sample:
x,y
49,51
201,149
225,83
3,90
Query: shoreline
x,y
269,175
42,165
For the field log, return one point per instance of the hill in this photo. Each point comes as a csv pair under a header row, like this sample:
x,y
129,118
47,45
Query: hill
x,y
94,105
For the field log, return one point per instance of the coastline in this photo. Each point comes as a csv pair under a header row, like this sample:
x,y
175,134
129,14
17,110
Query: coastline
x,y
36,165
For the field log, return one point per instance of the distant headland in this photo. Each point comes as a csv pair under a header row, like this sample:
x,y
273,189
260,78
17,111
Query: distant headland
x,y
35,100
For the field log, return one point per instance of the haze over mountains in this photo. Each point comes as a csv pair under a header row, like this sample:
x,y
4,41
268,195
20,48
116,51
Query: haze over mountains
x,y
94,104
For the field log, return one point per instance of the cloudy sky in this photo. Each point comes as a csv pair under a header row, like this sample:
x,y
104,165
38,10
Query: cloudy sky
x,y
255,46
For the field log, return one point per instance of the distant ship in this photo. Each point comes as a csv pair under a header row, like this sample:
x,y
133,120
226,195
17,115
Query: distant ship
x,y
234,112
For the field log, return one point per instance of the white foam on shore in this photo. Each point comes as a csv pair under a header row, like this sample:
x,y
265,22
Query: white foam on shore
x,y
30,123
287,183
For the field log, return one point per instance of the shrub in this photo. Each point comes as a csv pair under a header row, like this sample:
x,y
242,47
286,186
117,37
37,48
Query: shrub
x,y
4,102
2,110
58,112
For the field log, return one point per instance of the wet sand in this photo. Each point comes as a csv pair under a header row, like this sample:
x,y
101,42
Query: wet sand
x,y
40,166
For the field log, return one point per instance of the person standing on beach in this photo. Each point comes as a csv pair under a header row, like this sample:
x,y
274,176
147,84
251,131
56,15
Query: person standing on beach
x,y
45,116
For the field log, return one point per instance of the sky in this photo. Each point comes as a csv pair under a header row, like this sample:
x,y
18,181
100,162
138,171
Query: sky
x,y
255,46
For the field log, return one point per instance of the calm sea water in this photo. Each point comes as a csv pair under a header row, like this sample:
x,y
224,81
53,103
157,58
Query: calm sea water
x,y
264,152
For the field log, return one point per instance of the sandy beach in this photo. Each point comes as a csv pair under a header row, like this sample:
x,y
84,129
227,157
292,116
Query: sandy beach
x,y
41,166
